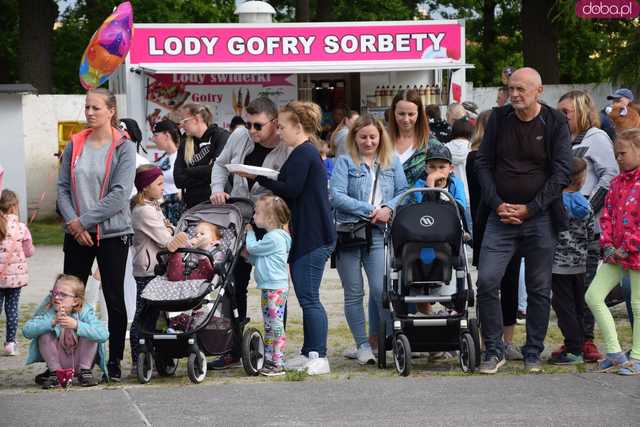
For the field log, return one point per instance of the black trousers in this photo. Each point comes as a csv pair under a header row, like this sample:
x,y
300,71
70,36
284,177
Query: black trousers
x,y
112,261
509,292
568,303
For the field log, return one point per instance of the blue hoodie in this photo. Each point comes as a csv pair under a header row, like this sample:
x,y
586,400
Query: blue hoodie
x,y
269,255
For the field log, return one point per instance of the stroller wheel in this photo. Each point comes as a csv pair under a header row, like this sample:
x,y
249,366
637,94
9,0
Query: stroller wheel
x,y
475,333
252,351
402,355
166,367
382,345
467,353
197,367
144,365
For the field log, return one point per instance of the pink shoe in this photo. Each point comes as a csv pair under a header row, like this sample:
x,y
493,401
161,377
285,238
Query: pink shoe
x,y
10,349
65,377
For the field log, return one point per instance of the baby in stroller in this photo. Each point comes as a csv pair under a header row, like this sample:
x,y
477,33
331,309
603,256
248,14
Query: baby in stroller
x,y
192,266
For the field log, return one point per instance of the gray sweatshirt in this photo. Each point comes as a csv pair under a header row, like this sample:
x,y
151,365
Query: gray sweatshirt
x,y
238,146
108,213
597,149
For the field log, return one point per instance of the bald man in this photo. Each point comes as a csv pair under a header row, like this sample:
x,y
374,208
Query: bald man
x,y
523,166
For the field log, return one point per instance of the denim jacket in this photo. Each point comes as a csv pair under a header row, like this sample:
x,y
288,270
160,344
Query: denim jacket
x,y
351,188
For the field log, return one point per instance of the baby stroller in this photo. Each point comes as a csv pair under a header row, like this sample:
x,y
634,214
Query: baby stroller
x,y
198,318
425,244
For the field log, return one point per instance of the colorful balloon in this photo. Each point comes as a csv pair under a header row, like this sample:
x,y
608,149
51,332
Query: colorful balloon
x,y
107,48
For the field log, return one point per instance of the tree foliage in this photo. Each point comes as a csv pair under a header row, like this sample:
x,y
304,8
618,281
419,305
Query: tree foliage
x,y
588,50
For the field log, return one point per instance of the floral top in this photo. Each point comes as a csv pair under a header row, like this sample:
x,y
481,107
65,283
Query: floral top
x,y
620,222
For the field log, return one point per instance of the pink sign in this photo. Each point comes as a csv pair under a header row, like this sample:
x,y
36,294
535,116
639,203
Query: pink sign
x,y
331,42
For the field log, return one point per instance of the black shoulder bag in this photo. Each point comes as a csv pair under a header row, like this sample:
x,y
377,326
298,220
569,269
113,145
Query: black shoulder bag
x,y
357,234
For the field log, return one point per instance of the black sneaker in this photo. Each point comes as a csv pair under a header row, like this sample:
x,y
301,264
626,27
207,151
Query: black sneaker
x,y
115,374
532,364
86,378
50,382
491,363
41,378
224,362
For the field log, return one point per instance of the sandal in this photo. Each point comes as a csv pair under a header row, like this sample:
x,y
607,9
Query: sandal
x,y
632,367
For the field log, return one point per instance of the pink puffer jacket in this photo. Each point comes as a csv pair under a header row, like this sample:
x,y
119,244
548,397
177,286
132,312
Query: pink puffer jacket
x,y
14,250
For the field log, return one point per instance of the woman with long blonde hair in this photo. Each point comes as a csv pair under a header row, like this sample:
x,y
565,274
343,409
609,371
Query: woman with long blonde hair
x,y
204,142
366,183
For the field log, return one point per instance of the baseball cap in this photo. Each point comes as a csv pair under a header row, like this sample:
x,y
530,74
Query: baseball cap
x,y
622,92
439,152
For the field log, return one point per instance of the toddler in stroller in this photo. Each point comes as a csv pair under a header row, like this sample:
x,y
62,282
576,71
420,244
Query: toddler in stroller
x,y
207,322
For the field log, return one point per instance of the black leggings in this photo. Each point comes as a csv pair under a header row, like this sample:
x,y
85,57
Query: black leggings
x,y
112,261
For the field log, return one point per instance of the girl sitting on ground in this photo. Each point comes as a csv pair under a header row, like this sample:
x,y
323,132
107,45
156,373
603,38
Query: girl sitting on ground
x,y
66,334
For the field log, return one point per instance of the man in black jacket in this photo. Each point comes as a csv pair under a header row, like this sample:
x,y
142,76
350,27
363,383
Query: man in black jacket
x,y
523,166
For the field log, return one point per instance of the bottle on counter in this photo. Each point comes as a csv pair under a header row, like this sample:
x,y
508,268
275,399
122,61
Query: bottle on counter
x,y
378,96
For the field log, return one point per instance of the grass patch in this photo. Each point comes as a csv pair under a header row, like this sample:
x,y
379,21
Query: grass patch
x,y
47,232
296,375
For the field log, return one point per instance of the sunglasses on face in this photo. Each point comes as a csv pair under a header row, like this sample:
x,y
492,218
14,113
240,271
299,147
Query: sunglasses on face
x,y
58,294
257,126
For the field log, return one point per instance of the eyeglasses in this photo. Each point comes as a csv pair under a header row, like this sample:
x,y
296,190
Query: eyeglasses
x,y
257,126
58,294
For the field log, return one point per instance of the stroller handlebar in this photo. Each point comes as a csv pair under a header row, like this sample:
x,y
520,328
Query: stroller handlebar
x,y
447,194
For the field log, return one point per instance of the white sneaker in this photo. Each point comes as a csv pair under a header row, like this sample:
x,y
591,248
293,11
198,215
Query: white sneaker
x,y
317,365
351,354
298,362
10,349
365,355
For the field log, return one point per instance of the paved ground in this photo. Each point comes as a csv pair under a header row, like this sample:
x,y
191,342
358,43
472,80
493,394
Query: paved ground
x,y
351,395
563,400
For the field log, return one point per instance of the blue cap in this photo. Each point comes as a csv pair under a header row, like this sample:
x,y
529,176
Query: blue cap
x,y
622,92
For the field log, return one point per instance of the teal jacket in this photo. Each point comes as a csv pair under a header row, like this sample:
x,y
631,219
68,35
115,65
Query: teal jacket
x,y
89,327
269,255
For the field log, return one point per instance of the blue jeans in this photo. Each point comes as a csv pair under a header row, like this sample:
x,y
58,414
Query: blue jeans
x,y
522,290
306,274
350,263
535,240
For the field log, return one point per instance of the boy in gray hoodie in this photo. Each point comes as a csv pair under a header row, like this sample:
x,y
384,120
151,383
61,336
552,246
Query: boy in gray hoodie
x,y
569,268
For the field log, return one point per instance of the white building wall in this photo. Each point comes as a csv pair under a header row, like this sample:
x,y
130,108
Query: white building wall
x,y
485,97
12,148
41,114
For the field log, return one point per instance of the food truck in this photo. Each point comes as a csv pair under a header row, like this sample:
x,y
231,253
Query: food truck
x,y
355,65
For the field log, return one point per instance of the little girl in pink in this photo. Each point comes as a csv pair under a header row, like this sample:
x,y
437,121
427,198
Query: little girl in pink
x,y
15,247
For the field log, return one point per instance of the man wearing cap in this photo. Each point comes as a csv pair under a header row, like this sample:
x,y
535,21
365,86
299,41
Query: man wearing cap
x,y
620,98
523,165
256,144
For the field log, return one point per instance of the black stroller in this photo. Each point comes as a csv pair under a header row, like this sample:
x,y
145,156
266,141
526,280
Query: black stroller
x,y
425,243
207,321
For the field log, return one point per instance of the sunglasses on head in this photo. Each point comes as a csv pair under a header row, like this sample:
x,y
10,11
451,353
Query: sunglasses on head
x,y
257,126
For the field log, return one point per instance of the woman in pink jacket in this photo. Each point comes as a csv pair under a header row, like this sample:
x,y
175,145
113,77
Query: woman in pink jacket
x,y
15,247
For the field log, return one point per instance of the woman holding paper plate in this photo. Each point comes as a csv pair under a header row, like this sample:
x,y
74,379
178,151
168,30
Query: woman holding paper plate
x,y
302,183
